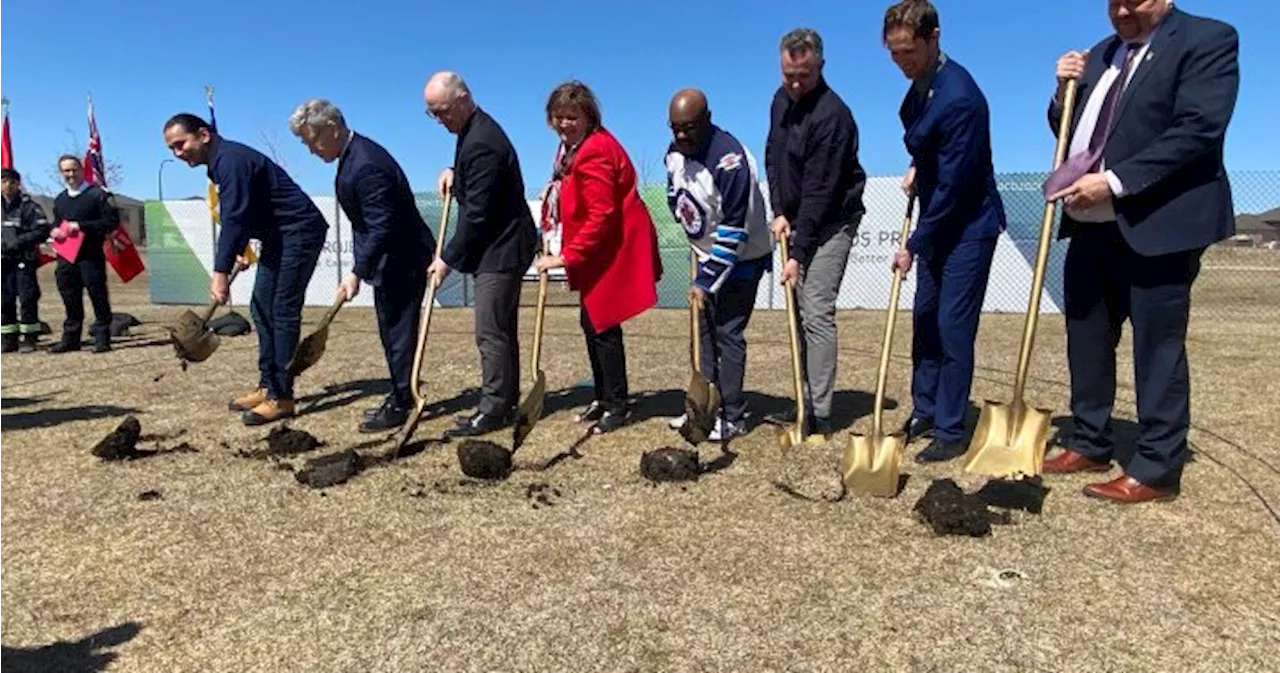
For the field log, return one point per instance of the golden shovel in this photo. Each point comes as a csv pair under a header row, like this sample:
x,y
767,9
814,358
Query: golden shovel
x,y
702,399
190,334
795,435
1010,439
530,409
312,347
424,325
870,465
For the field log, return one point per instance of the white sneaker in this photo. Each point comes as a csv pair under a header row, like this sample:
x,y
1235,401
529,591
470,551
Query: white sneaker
x,y
725,429
677,422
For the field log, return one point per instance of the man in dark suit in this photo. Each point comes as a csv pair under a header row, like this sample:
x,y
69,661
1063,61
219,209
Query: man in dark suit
x,y
1144,195
392,244
948,135
495,239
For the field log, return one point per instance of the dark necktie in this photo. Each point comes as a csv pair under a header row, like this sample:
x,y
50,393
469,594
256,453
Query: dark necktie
x,y
1088,161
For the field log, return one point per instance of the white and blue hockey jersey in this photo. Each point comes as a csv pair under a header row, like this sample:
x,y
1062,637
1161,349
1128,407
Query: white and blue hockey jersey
x,y
718,200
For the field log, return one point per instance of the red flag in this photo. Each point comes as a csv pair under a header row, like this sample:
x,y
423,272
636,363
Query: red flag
x,y
119,248
6,145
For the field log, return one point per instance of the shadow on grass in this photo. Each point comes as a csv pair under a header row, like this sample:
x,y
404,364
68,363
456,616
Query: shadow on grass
x,y
45,418
87,655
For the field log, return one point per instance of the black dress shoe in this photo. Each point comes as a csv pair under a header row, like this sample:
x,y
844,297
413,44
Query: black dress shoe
x,y
65,347
594,412
390,415
479,424
940,450
915,428
387,401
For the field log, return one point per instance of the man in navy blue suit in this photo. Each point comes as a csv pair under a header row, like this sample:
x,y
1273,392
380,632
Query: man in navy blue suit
x,y
392,244
948,136
1145,192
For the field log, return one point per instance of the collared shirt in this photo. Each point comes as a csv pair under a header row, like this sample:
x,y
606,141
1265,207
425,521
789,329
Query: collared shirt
x,y
1105,211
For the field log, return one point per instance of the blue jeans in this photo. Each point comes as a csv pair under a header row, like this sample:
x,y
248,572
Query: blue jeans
x,y
284,268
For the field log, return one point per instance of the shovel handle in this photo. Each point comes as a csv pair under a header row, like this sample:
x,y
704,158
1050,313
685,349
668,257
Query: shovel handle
x,y
543,280
794,333
333,310
424,324
886,346
1042,254
213,305
695,324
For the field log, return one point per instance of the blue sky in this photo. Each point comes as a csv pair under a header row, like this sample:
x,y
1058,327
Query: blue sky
x,y
152,59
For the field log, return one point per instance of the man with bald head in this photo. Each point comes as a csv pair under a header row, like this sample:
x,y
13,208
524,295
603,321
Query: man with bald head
x,y
1144,193
494,239
713,189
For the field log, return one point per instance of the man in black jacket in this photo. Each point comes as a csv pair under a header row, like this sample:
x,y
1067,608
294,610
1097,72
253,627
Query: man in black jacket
x,y
25,228
495,239
392,245
815,188
91,210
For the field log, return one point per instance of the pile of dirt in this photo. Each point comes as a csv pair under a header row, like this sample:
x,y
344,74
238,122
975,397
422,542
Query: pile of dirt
x,y
669,464
947,509
329,470
481,459
121,443
283,441
1024,494
541,495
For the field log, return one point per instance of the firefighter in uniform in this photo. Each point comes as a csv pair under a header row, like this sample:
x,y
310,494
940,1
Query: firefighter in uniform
x,y
25,228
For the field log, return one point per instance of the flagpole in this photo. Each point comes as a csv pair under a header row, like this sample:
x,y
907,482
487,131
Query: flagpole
x,y
213,215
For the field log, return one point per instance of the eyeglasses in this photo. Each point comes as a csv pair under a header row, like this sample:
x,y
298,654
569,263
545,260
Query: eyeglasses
x,y
439,111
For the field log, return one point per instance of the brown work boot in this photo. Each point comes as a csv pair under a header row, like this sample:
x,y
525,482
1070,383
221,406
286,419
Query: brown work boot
x,y
249,401
267,412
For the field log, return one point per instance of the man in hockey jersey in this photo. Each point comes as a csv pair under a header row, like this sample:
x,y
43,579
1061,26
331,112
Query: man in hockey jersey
x,y
714,192
25,228
91,210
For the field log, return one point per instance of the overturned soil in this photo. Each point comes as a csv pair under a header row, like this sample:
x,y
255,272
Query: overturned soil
x,y
121,443
1024,494
668,464
949,511
329,470
284,441
480,459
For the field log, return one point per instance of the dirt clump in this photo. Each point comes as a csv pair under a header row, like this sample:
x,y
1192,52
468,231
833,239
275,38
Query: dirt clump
x,y
669,464
329,470
541,495
152,494
283,441
121,443
1024,494
481,459
949,511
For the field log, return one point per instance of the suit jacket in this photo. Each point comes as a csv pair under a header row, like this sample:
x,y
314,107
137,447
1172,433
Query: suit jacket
x,y
610,245
1167,136
948,134
495,229
390,236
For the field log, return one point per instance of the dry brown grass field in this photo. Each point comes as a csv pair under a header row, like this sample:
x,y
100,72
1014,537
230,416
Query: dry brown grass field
x,y
233,565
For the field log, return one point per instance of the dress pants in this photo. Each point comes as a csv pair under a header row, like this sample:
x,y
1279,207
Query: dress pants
x,y
1105,283
608,358
816,292
497,313
21,314
88,273
279,291
950,287
398,304
724,342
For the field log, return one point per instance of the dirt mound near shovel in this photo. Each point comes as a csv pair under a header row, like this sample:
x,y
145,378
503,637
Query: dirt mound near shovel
x,y
669,464
121,443
283,441
479,459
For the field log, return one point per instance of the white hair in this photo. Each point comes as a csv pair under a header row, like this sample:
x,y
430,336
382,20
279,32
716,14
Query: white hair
x,y
452,84
316,113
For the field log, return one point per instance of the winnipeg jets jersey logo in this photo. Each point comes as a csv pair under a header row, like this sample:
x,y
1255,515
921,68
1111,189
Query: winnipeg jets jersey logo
x,y
690,213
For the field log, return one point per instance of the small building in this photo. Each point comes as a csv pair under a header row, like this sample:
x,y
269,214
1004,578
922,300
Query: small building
x,y
1261,230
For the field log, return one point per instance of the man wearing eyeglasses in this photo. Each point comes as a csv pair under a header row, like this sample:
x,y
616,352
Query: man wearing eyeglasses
x,y
495,240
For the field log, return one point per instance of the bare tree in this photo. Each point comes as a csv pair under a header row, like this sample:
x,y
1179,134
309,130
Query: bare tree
x,y
271,144
114,169
649,168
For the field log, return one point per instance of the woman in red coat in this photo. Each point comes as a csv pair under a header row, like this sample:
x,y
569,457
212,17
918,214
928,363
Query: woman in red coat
x,y
609,246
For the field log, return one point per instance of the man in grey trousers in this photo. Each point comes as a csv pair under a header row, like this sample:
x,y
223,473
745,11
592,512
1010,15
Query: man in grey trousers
x,y
815,188
495,239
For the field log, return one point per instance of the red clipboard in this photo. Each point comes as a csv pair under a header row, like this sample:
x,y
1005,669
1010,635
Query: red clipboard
x,y
69,247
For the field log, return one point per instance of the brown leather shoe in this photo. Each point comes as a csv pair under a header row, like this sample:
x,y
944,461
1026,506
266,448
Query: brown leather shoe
x,y
267,412
1069,462
1127,490
248,401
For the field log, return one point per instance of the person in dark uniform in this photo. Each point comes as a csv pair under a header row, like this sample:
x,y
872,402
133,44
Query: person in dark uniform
x,y
25,228
495,239
257,199
91,210
948,134
392,243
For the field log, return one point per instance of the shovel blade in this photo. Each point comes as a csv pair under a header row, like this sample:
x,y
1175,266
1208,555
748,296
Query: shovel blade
x,y
871,464
701,403
1006,444
410,424
529,411
308,351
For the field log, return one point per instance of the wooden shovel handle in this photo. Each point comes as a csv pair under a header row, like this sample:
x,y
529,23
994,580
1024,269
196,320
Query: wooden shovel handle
x,y
333,310
794,333
695,325
543,279
213,305
886,346
424,324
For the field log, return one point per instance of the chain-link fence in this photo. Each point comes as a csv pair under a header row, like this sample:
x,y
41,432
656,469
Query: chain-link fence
x,y
1239,279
